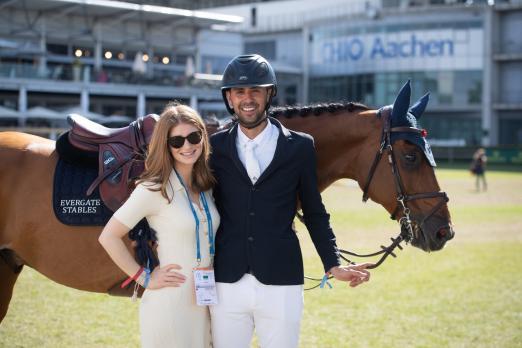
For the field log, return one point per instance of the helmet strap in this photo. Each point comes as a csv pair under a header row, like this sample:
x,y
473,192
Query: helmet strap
x,y
268,104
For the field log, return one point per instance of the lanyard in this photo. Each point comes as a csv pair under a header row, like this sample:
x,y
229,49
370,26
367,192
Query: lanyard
x,y
209,221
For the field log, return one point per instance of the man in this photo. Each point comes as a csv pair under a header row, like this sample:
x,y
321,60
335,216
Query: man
x,y
262,169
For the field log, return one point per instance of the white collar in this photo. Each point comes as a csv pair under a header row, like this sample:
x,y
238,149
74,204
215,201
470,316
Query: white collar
x,y
265,135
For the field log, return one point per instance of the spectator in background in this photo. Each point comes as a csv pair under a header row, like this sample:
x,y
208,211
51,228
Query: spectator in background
x,y
478,168
77,69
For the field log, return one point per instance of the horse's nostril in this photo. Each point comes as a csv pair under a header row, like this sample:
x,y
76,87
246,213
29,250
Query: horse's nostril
x,y
444,233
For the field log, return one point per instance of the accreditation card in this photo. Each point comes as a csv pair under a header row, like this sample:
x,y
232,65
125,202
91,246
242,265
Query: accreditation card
x,y
205,285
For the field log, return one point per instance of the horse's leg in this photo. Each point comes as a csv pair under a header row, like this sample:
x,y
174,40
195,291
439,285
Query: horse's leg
x,y
9,271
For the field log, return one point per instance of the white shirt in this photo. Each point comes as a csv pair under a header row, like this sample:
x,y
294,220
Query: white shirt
x,y
265,145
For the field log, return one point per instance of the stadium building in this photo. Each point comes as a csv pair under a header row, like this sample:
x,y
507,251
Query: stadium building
x,y
127,59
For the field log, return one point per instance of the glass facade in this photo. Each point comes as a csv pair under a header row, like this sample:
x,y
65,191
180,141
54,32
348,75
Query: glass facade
x,y
265,48
447,88
214,64
449,125
510,127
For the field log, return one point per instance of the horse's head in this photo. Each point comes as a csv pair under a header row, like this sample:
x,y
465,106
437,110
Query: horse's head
x,y
405,183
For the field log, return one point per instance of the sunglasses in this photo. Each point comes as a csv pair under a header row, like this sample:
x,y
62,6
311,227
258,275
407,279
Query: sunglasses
x,y
178,141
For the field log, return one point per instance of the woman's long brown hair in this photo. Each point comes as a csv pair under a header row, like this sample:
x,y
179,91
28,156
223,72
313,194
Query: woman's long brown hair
x,y
159,162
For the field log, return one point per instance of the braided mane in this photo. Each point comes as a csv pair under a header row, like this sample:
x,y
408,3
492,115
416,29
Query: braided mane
x,y
315,109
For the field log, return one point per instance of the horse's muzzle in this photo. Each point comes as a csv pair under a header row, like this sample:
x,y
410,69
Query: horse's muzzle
x,y
432,235
437,240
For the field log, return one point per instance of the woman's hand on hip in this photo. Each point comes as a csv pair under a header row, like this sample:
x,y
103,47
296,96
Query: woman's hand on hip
x,y
166,276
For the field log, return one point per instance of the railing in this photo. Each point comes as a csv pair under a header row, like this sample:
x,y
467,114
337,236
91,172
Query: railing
x,y
86,73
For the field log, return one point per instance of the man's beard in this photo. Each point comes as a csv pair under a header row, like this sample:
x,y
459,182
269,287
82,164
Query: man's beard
x,y
260,117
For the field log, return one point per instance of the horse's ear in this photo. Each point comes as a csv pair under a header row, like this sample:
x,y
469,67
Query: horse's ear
x,y
402,102
418,109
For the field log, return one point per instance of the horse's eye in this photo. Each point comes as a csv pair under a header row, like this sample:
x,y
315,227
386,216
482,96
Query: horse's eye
x,y
411,157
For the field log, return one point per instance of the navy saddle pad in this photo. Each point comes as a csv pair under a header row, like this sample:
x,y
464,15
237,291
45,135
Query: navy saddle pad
x,y
70,203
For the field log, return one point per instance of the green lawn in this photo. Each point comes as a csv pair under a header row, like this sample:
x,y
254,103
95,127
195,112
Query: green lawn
x,y
467,295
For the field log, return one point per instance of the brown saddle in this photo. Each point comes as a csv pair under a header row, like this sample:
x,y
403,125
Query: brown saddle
x,y
121,154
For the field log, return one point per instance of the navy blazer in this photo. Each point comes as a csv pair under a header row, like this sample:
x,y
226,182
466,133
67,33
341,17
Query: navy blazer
x,y
256,234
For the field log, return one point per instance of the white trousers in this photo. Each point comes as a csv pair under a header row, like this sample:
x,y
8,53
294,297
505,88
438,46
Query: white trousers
x,y
275,312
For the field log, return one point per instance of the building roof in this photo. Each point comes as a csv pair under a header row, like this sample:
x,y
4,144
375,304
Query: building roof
x,y
113,10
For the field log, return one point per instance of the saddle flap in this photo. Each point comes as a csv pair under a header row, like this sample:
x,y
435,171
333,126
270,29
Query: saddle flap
x,y
118,167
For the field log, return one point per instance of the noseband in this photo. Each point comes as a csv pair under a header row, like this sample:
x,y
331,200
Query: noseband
x,y
402,197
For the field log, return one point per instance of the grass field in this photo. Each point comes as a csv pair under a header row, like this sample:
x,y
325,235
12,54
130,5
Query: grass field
x,y
467,295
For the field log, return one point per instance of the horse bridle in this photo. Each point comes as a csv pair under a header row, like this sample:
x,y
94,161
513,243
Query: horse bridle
x,y
403,198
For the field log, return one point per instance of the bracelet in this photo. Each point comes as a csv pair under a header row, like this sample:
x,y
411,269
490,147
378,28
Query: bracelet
x,y
144,278
130,279
325,281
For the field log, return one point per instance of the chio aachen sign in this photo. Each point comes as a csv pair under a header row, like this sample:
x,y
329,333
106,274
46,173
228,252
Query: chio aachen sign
x,y
448,49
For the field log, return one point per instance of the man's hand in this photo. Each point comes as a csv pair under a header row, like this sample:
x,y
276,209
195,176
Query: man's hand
x,y
355,274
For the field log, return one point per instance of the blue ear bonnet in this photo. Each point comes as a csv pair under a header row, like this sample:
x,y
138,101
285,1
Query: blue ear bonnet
x,y
404,116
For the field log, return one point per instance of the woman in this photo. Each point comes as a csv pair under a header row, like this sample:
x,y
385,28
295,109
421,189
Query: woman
x,y
174,195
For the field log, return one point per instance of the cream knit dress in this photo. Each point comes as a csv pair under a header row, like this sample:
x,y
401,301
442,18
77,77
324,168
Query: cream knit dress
x,y
169,317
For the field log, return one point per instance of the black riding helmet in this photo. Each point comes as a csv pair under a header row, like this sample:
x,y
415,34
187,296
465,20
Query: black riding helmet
x,y
249,70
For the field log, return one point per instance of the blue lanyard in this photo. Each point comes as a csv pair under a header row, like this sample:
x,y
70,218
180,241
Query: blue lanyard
x,y
209,221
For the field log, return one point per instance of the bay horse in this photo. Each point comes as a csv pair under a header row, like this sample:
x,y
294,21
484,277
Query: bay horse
x,y
349,139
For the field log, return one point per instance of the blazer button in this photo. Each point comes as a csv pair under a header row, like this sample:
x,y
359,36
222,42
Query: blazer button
x,y
250,239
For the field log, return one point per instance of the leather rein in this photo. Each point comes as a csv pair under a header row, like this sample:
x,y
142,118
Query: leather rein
x,y
407,232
